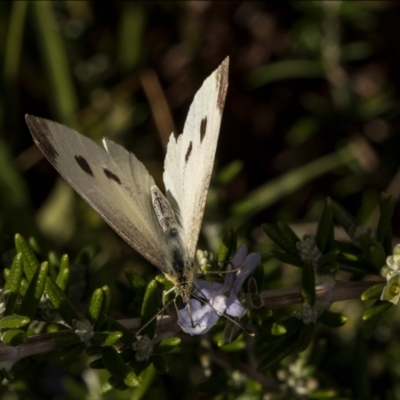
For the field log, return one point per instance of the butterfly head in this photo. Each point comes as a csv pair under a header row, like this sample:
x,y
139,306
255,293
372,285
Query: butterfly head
x,y
182,274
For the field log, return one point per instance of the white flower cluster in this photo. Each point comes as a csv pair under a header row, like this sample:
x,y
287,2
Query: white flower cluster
x,y
355,232
143,348
205,259
83,329
392,266
309,250
298,377
308,314
391,271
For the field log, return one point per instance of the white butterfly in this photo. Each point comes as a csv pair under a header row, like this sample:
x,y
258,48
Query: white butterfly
x,y
116,184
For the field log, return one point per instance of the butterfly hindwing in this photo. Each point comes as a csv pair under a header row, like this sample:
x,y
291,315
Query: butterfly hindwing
x,y
190,156
113,181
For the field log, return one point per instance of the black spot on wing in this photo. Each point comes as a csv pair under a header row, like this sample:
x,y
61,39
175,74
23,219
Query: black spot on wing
x,y
203,128
188,152
42,137
111,175
222,83
84,165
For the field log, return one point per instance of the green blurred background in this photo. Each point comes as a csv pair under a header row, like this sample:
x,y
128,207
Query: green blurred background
x,y
312,111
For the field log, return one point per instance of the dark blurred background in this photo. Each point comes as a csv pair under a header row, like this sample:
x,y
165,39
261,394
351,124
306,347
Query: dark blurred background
x,y
307,80
312,84
312,110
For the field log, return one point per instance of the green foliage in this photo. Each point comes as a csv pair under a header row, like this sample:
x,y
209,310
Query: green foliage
x,y
60,301
119,370
332,319
227,247
14,337
150,309
14,321
13,282
308,283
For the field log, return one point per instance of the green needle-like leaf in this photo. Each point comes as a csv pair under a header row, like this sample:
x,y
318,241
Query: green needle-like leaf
x,y
288,236
95,306
282,241
60,301
150,309
137,282
342,216
112,384
118,369
376,309
324,236
14,321
227,247
166,345
63,275
35,291
366,242
104,307
97,364
113,325
386,206
30,262
332,319
13,282
291,325
105,338
288,258
23,287
278,329
308,283
374,292
305,337
377,256
160,365
328,258
107,298
14,337
70,353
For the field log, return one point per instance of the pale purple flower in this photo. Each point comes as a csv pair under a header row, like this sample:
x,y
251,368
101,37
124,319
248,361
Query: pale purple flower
x,y
219,298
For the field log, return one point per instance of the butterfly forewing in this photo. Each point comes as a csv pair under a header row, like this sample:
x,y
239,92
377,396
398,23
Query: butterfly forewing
x,y
117,185
190,156
114,182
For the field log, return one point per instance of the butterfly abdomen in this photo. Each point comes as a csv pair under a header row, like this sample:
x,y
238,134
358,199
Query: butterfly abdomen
x,y
178,267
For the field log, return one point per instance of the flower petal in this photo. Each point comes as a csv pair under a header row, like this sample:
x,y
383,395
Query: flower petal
x,y
391,292
233,268
247,267
207,289
203,318
234,307
239,256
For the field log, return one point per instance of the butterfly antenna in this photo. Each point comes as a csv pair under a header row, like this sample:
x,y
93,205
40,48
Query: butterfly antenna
x,y
154,317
